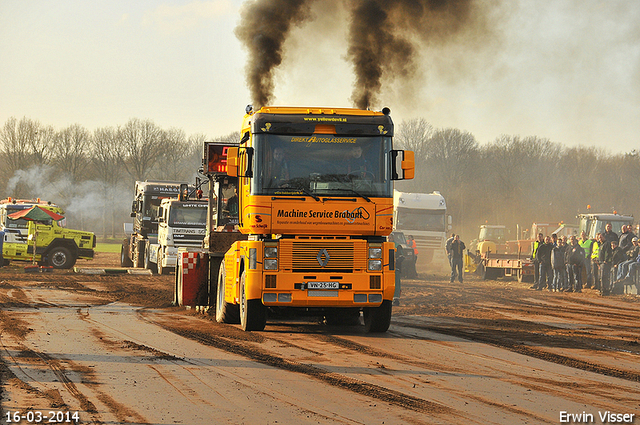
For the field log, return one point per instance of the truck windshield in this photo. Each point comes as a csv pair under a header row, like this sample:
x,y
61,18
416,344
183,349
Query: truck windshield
x,y
492,234
416,219
188,215
322,164
20,223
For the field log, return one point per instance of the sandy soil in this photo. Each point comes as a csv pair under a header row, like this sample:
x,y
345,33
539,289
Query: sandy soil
x,y
113,349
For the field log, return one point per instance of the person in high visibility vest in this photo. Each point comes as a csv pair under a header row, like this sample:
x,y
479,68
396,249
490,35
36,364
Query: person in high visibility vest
x,y
595,260
587,245
536,263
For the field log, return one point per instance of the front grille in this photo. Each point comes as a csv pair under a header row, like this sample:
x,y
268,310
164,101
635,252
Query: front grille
x,y
344,256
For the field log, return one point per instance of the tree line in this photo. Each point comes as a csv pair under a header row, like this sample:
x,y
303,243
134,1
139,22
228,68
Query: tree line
x,y
92,174
513,180
516,181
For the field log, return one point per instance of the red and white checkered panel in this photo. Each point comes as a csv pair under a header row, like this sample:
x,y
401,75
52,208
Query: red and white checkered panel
x,y
189,261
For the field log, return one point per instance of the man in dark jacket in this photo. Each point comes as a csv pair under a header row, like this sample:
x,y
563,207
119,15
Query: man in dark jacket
x,y
559,269
610,256
457,255
576,261
609,234
625,243
543,254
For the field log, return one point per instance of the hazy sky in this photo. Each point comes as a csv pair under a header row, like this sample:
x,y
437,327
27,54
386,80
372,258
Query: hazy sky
x,y
566,70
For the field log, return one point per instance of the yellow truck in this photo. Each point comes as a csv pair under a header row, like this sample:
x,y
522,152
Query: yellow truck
x,y
315,194
56,246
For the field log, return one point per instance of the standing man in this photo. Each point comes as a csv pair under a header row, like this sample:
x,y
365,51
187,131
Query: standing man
x,y
625,243
610,257
576,260
595,260
447,247
543,254
457,255
609,234
587,245
534,257
412,245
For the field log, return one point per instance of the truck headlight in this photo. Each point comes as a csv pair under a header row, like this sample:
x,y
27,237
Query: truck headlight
x,y
375,265
271,252
271,264
375,252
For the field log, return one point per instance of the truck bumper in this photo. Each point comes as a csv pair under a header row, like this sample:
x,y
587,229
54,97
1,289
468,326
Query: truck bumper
x,y
322,289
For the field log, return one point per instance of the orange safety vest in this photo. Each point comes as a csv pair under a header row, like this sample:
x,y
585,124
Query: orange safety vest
x,y
413,245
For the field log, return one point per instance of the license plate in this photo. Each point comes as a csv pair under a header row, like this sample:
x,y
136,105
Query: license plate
x,y
323,285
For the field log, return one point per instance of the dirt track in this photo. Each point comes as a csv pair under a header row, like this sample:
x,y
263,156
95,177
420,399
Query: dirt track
x,y
113,349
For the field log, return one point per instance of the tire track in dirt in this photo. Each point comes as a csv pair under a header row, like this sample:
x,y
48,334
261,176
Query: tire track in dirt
x,y
250,351
502,340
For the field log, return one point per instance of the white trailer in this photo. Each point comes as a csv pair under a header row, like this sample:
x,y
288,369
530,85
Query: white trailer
x,y
423,216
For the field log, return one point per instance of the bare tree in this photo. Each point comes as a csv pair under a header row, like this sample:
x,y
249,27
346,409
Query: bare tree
x,y
23,144
71,151
107,149
169,165
143,146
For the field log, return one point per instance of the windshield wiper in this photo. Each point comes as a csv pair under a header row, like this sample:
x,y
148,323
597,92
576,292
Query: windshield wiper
x,y
366,198
308,192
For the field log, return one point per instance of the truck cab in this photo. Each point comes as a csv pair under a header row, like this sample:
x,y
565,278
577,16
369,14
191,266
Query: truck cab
x,y
316,202
55,245
595,223
181,223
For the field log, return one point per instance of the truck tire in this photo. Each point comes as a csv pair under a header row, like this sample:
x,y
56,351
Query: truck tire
x,y
138,261
377,319
147,259
125,259
253,314
225,312
61,258
161,270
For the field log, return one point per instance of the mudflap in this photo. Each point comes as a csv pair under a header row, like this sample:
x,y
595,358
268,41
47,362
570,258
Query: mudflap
x,y
191,278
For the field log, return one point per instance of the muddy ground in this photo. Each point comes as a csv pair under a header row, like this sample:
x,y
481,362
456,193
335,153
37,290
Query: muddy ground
x,y
113,349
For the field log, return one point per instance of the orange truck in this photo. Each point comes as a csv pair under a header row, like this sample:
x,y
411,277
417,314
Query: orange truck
x,y
315,204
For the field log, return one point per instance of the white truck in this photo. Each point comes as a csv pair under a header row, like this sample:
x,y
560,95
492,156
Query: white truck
x,y
181,223
423,216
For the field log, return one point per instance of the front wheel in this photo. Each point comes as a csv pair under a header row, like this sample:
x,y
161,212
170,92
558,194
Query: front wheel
x,y
377,319
225,312
253,314
61,258
125,260
148,264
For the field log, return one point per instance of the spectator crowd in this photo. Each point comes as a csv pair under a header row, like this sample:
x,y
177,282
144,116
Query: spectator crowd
x,y
564,264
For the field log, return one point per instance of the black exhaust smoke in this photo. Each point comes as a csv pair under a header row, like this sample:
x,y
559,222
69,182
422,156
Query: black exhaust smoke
x,y
264,27
385,37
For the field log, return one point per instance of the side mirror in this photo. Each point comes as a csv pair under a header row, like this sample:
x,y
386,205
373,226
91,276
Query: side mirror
x,y
234,160
402,160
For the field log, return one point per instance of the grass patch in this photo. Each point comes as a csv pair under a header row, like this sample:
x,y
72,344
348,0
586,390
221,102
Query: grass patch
x,y
108,247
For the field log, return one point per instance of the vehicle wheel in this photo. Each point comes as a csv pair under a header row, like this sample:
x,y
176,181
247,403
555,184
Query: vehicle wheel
x,y
125,259
253,314
342,316
61,258
377,319
147,259
489,273
160,269
139,257
225,312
